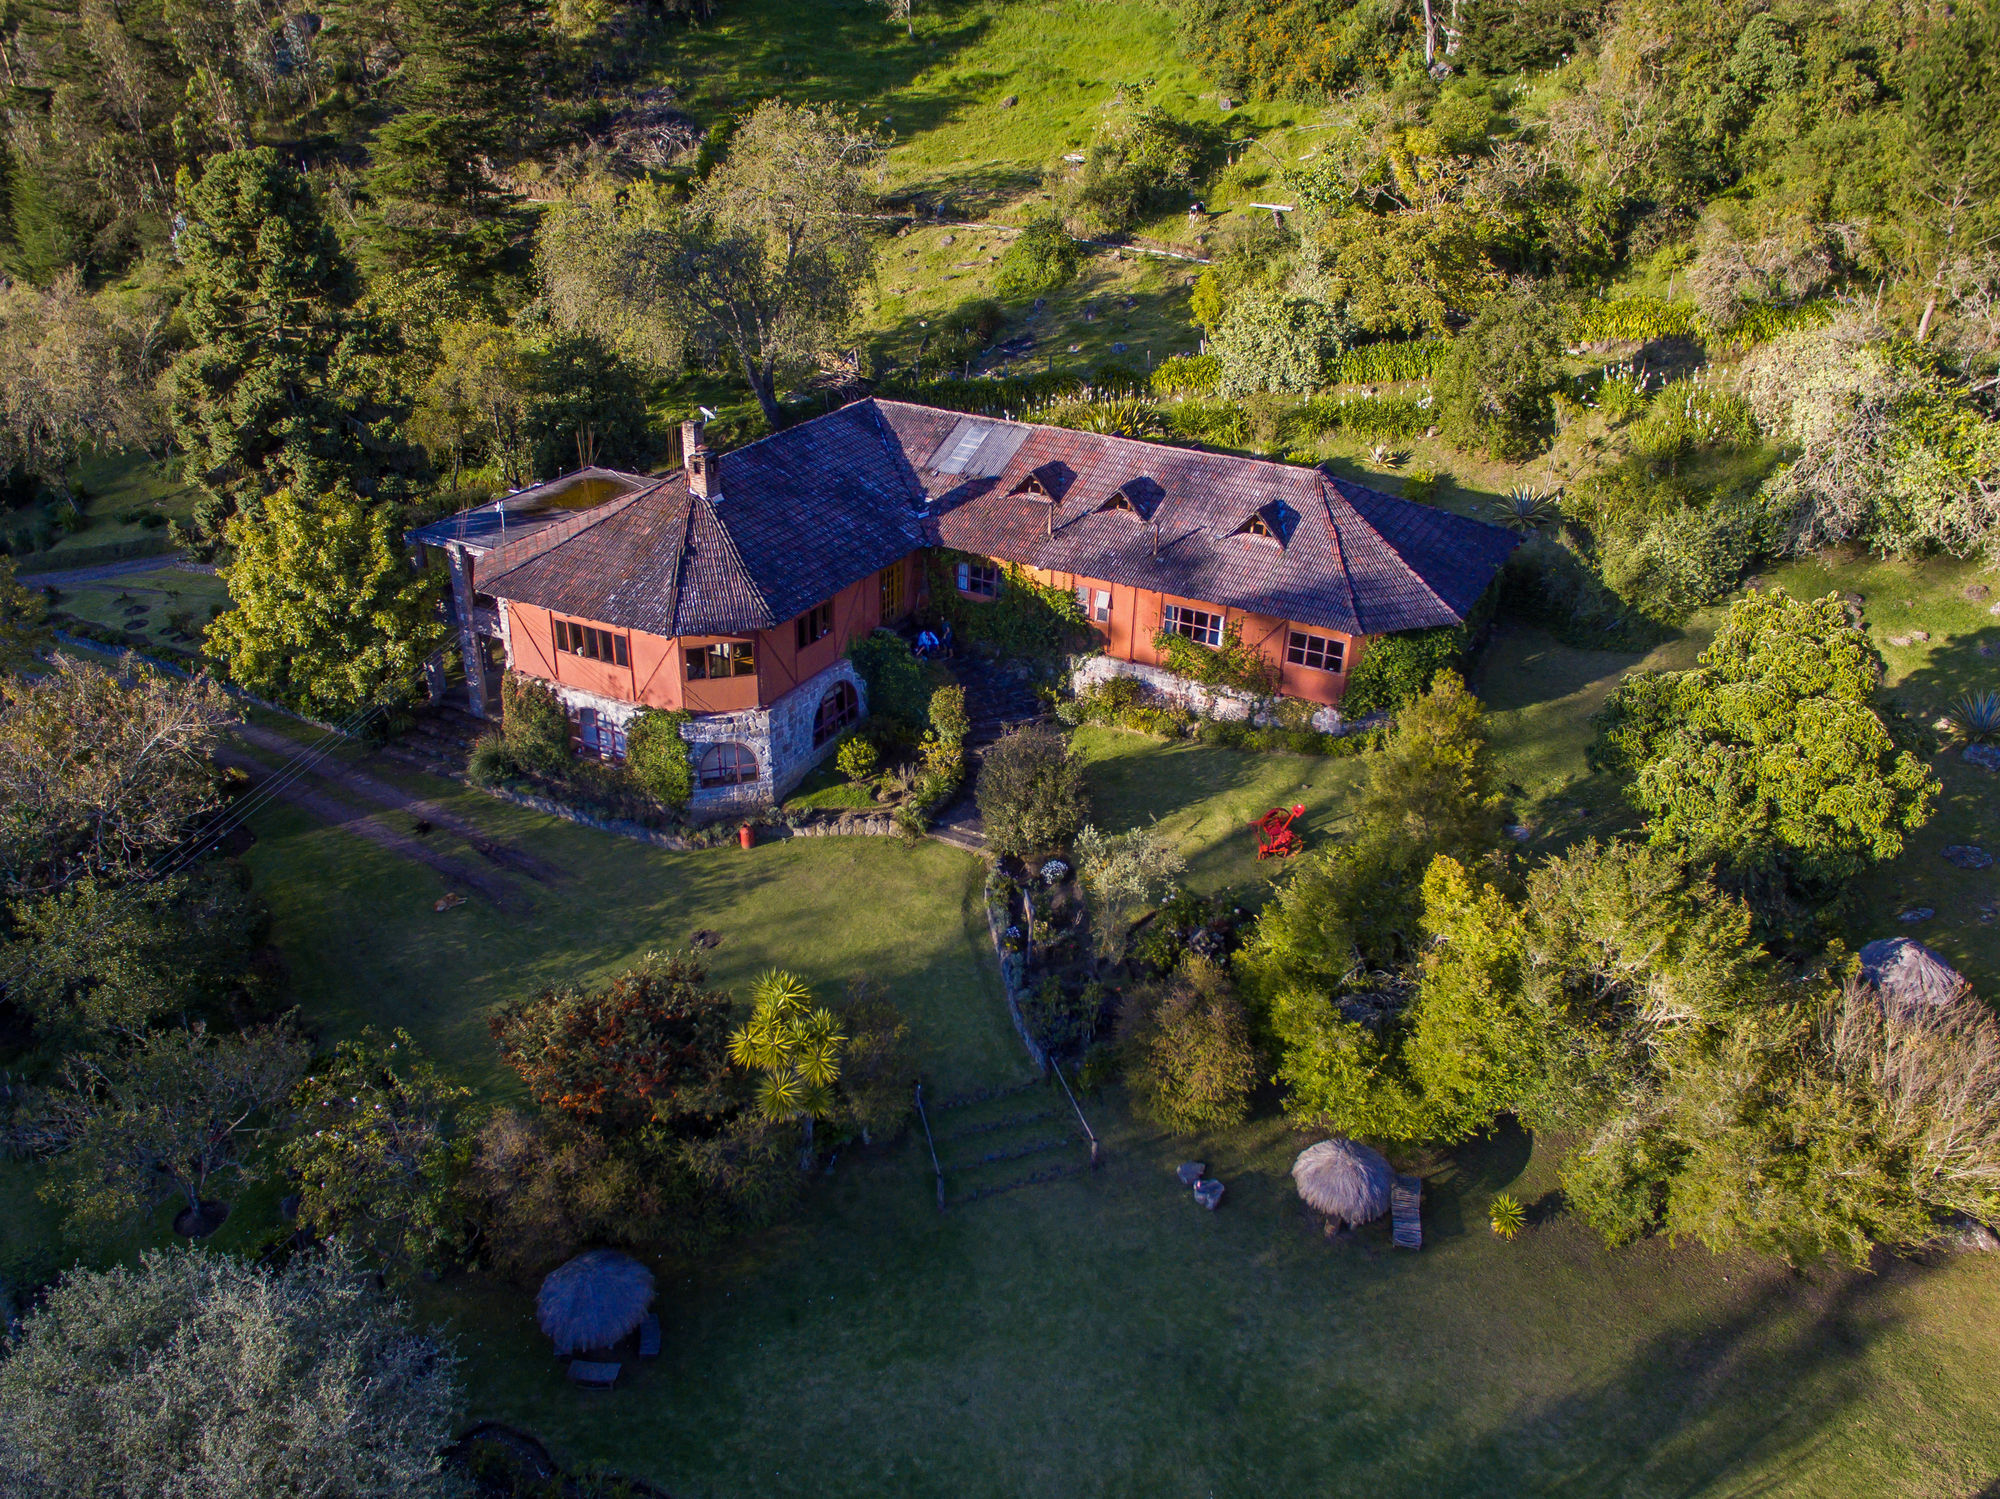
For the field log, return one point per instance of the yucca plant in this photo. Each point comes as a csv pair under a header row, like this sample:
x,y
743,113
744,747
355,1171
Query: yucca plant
x,y
1974,717
796,1046
1506,1216
1524,508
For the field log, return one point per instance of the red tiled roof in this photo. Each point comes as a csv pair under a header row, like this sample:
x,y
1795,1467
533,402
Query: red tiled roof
x,y
808,511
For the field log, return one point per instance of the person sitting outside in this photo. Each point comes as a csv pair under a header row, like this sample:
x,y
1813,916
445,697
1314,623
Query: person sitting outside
x,y
927,643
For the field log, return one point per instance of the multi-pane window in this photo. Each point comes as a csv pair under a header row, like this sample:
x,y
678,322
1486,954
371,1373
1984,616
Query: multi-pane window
x,y
1199,625
837,710
596,736
727,765
981,578
892,590
1316,651
729,658
1095,603
589,641
815,624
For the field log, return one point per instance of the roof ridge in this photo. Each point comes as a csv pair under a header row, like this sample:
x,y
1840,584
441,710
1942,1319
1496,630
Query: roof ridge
x,y
700,504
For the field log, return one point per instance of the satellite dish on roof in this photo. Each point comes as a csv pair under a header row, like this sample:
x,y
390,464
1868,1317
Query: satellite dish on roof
x,y
707,415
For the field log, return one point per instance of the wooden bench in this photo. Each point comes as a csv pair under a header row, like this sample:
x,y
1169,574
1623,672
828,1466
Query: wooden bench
x,y
649,1338
593,1376
1406,1201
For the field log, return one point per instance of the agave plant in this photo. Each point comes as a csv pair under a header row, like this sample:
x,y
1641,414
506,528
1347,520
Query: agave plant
x,y
1390,458
1974,717
1113,418
1506,1216
1524,508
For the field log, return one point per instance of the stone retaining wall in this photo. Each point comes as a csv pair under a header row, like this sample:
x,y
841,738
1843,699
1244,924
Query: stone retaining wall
x,y
873,825
1013,965
1229,704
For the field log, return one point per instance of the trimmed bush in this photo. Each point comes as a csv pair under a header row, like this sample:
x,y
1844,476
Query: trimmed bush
x,y
533,724
1187,375
659,757
1042,260
1395,670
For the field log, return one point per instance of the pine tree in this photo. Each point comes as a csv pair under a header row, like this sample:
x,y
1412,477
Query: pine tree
x,y
463,91
288,381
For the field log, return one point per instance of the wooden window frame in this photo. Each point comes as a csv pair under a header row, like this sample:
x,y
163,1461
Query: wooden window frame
x,y
741,769
1301,647
894,589
1202,626
828,727
592,643
593,736
738,656
971,574
1094,602
814,625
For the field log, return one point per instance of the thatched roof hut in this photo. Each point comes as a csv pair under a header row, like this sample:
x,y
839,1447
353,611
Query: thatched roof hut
x,y
1344,1180
594,1300
1909,975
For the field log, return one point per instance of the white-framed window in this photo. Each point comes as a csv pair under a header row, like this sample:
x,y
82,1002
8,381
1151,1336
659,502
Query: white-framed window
x,y
1199,625
1095,603
1320,652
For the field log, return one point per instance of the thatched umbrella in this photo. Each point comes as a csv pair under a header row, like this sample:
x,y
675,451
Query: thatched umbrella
x,y
594,1300
1344,1180
1909,976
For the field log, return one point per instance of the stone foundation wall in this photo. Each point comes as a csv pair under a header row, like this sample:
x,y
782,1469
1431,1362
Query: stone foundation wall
x,y
780,736
1230,704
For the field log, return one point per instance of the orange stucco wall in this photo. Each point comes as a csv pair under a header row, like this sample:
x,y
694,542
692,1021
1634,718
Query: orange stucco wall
x,y
1135,620
657,674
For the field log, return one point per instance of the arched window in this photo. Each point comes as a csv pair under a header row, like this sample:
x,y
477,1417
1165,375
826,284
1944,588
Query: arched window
x,y
727,765
837,710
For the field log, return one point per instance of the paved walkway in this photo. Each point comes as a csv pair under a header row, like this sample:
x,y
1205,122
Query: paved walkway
x,y
111,571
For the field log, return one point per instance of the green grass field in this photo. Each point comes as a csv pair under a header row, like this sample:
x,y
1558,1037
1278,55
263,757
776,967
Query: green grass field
x,y
1103,1335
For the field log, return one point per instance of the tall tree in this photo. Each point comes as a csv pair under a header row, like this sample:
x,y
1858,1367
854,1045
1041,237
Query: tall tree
x,y
796,1045
329,615
162,1118
1769,758
195,1373
765,263
71,380
98,773
464,93
375,1151
287,380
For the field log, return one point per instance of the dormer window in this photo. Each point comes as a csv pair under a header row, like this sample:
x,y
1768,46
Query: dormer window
x,y
1037,486
1139,497
1273,522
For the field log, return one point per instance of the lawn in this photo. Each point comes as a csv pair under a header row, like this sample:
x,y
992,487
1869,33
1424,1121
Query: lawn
x,y
1105,1336
1204,800
365,947
1102,1334
150,607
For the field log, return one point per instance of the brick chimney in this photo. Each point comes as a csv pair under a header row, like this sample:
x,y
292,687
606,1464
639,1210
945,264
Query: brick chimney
x,y
700,460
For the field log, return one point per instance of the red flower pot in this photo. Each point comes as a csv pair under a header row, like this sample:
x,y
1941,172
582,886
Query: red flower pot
x,y
746,835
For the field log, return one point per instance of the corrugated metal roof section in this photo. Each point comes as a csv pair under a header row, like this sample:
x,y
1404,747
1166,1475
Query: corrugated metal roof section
x,y
977,449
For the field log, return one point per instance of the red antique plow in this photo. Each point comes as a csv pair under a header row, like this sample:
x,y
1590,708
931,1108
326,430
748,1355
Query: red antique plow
x,y
1276,837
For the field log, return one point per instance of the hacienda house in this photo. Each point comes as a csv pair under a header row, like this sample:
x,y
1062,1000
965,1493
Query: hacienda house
x,y
732,588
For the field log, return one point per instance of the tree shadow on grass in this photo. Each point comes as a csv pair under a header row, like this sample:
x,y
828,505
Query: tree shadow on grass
x,y
1698,1406
1970,663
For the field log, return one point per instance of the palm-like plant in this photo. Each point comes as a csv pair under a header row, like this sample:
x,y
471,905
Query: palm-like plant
x,y
795,1045
1974,717
1506,1216
1524,508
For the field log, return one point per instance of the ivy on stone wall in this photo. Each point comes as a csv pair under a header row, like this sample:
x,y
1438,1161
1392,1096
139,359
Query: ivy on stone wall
x,y
1231,664
1026,619
659,757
